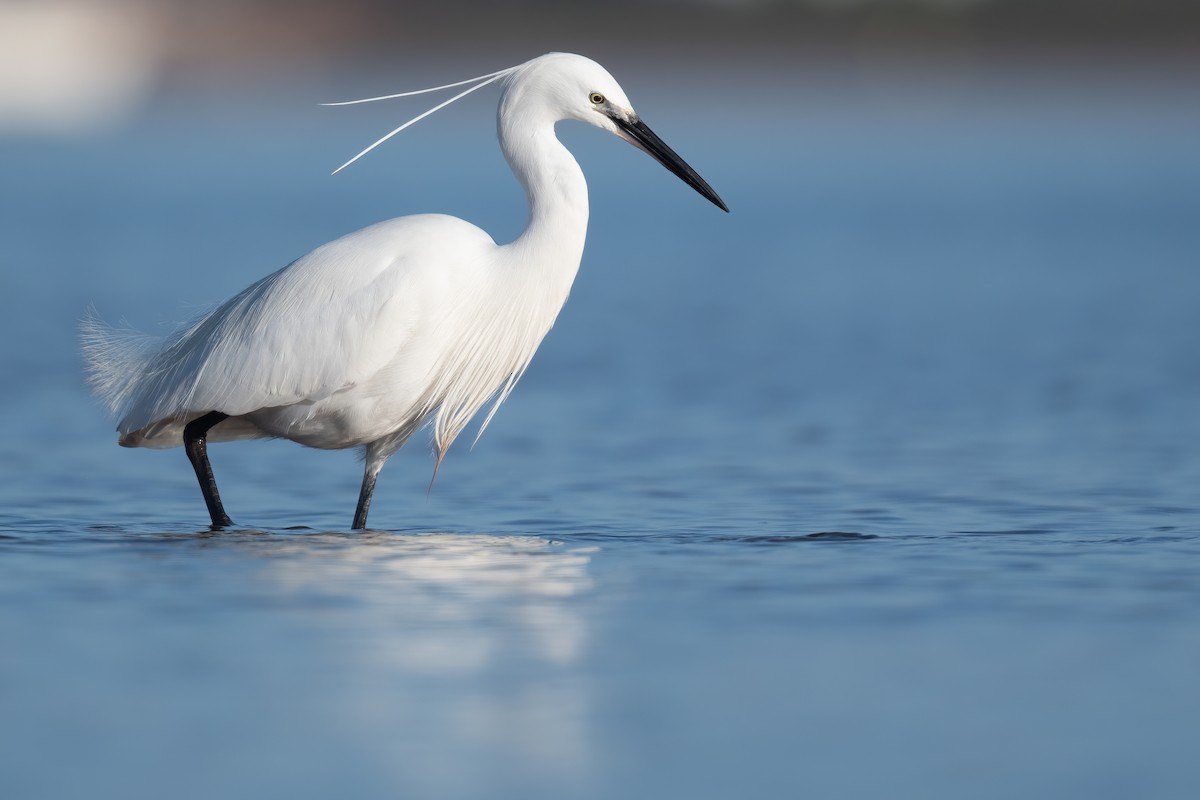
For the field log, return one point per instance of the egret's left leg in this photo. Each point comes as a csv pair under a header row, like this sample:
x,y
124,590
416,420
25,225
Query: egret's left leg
x,y
195,442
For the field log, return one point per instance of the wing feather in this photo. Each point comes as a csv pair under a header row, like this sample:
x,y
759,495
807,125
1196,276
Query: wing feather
x,y
320,325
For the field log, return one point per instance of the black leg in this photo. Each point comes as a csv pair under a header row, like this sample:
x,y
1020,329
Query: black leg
x,y
195,442
364,499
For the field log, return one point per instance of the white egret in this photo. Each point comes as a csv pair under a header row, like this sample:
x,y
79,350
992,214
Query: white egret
x,y
416,320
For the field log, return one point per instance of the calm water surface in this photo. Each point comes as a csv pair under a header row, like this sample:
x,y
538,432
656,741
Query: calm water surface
x,y
886,484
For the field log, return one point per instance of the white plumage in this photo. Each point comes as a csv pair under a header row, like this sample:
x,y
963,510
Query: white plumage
x,y
414,320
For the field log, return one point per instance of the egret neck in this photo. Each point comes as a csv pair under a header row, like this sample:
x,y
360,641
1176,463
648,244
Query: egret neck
x,y
551,246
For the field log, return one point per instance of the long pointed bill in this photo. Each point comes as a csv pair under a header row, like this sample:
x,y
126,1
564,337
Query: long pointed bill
x,y
647,140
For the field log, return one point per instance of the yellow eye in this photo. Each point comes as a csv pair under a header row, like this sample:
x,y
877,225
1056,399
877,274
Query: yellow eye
x,y
596,98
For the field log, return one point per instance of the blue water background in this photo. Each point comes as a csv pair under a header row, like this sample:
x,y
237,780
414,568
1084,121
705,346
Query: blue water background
x,y
886,484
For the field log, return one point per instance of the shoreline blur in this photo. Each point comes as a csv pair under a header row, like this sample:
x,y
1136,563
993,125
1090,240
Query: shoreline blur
x,y
73,66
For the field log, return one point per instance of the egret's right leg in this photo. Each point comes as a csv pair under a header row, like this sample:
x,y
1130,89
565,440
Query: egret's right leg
x,y
374,463
195,442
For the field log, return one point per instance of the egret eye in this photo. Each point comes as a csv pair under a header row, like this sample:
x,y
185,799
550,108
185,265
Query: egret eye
x,y
596,98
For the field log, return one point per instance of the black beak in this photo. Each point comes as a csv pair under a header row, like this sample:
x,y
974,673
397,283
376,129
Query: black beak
x,y
647,140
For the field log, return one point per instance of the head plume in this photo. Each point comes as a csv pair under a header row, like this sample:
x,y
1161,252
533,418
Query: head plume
x,y
477,82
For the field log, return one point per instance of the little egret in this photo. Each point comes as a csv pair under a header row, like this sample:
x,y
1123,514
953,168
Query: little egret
x,y
416,320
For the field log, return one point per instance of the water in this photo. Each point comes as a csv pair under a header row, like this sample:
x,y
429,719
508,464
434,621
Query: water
x,y
883,485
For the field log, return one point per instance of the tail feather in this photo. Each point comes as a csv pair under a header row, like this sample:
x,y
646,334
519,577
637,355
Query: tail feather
x,y
123,365
115,359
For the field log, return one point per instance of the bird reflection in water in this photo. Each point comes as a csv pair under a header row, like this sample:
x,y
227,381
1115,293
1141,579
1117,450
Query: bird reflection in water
x,y
461,601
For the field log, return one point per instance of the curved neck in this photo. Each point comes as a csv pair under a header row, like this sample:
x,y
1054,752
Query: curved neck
x,y
555,189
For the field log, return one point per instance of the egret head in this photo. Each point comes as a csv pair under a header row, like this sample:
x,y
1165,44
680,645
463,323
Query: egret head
x,y
568,86
554,87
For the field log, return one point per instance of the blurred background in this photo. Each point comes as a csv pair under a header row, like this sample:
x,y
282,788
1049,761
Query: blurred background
x,y
71,65
949,328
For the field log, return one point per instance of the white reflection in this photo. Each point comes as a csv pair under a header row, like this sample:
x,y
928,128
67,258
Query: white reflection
x,y
454,602
452,648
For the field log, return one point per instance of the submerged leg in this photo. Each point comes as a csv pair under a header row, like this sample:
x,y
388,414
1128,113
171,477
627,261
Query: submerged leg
x,y
195,442
364,500
375,458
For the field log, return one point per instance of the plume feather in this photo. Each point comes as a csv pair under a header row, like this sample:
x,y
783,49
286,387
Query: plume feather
x,y
479,82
